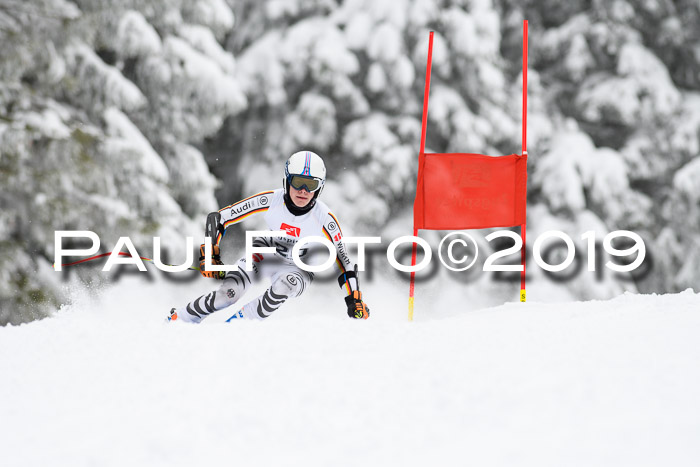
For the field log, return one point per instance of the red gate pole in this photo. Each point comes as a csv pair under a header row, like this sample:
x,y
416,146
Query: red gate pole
x,y
523,227
421,162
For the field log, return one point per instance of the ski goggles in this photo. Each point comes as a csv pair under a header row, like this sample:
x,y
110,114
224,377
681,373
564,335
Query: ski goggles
x,y
311,184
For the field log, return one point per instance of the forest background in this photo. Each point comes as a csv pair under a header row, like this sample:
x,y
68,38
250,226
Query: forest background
x,y
136,118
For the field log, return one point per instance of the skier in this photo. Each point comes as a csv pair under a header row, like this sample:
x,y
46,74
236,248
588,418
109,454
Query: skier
x,y
295,209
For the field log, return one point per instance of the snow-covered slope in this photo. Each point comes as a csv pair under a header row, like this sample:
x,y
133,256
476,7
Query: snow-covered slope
x,y
105,382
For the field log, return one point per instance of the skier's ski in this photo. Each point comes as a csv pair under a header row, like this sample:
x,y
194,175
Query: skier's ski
x,y
236,315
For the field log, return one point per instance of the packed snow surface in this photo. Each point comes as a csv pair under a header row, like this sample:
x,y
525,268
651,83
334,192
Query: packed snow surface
x,y
106,382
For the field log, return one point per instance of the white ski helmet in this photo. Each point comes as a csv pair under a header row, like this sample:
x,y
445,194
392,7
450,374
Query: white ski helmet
x,y
305,169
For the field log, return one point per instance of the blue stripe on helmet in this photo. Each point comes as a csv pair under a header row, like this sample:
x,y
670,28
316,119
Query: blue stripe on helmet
x,y
307,165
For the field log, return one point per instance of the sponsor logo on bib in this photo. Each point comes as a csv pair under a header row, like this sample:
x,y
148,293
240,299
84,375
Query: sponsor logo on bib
x,y
290,230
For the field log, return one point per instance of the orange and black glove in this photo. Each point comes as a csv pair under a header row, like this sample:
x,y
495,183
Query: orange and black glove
x,y
356,307
215,260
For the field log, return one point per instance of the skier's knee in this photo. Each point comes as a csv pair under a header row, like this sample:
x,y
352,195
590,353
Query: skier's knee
x,y
291,284
233,287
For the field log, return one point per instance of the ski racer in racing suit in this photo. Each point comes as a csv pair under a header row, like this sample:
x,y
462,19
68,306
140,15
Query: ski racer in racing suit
x,y
294,209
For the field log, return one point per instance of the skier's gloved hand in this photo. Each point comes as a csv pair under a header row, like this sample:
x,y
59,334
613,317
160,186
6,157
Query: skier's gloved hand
x,y
356,307
215,260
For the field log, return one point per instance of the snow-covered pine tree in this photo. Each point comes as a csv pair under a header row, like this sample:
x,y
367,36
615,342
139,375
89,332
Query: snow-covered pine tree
x,y
101,111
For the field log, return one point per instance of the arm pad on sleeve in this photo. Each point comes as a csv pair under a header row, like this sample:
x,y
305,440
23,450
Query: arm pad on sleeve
x,y
343,278
214,227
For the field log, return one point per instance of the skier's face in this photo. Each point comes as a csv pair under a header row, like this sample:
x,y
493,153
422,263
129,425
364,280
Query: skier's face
x,y
300,197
